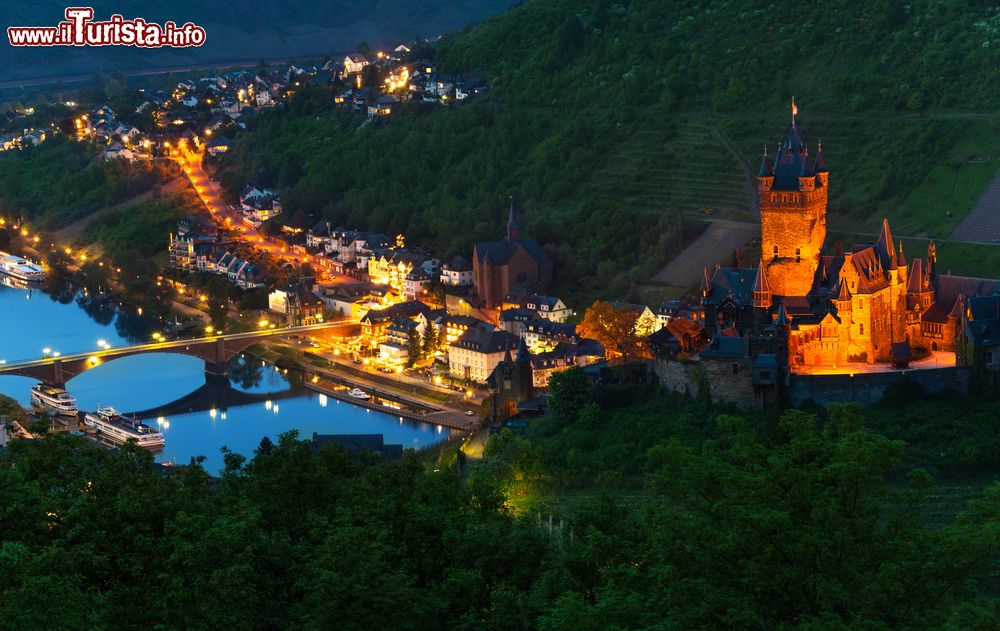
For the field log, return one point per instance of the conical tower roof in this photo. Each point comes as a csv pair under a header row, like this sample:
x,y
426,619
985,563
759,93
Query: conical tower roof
x,y
819,166
765,165
885,248
844,294
761,284
782,318
901,260
706,284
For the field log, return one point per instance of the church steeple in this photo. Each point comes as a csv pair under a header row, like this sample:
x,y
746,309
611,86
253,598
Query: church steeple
x,y
513,229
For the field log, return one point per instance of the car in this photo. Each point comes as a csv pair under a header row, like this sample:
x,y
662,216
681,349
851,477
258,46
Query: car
x,y
470,413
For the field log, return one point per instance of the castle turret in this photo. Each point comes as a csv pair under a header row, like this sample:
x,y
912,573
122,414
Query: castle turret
x,y
901,267
843,300
765,177
885,248
761,289
931,260
706,286
807,181
819,167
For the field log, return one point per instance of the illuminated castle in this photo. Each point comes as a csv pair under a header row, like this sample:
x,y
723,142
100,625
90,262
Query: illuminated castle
x,y
859,304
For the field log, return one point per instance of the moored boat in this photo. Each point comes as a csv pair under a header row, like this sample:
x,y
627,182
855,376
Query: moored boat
x,y
358,393
119,428
54,399
21,269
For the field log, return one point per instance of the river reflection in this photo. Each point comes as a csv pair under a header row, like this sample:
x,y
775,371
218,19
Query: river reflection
x,y
197,420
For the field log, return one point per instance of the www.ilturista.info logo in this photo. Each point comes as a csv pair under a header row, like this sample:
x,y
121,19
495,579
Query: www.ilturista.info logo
x,y
79,29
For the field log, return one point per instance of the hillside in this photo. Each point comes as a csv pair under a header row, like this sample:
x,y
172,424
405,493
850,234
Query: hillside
x,y
619,127
236,31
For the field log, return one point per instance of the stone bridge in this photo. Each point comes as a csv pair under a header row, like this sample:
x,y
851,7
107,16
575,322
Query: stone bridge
x,y
215,350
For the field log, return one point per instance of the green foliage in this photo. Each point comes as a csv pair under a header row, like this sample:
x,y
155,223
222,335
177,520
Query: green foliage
x,y
571,393
144,227
413,347
62,180
742,522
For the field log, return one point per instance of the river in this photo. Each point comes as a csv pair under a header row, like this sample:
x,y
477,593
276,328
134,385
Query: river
x,y
66,320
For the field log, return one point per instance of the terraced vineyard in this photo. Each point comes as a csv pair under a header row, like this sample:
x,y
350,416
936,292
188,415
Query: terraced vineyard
x,y
676,165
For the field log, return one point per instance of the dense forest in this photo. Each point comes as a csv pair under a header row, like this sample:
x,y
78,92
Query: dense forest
x,y
613,123
621,509
61,180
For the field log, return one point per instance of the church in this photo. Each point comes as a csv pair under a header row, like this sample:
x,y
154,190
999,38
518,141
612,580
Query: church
x,y
814,308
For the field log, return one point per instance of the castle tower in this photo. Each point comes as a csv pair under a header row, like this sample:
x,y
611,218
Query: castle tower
x,y
792,197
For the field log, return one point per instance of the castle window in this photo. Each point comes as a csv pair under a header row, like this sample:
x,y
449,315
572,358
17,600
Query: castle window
x,y
861,304
736,368
798,255
775,251
862,325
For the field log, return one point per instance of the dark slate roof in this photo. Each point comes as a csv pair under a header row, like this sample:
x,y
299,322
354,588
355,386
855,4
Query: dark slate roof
x,y
483,341
901,351
949,287
984,325
458,264
359,443
789,162
499,252
736,282
765,360
725,347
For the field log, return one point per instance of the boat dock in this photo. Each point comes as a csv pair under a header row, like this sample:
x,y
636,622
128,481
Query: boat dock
x,y
414,412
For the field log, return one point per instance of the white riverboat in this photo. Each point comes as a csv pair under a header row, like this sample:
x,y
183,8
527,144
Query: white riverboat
x,y
21,269
110,424
358,393
53,399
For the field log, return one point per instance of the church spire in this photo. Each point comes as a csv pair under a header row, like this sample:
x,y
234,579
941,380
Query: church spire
x,y
513,229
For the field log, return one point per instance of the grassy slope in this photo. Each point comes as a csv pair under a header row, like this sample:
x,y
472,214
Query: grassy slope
x,y
609,124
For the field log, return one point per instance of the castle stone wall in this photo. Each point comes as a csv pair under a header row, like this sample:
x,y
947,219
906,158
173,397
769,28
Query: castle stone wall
x,y
868,388
723,384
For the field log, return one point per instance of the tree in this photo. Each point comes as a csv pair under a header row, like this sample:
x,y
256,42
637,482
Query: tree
x,y
816,504
412,347
218,306
571,392
617,327
430,343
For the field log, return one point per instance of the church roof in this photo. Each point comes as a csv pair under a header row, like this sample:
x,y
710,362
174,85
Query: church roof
x,y
500,252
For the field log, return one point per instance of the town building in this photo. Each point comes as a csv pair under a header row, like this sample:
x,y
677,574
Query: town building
x,y
474,355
